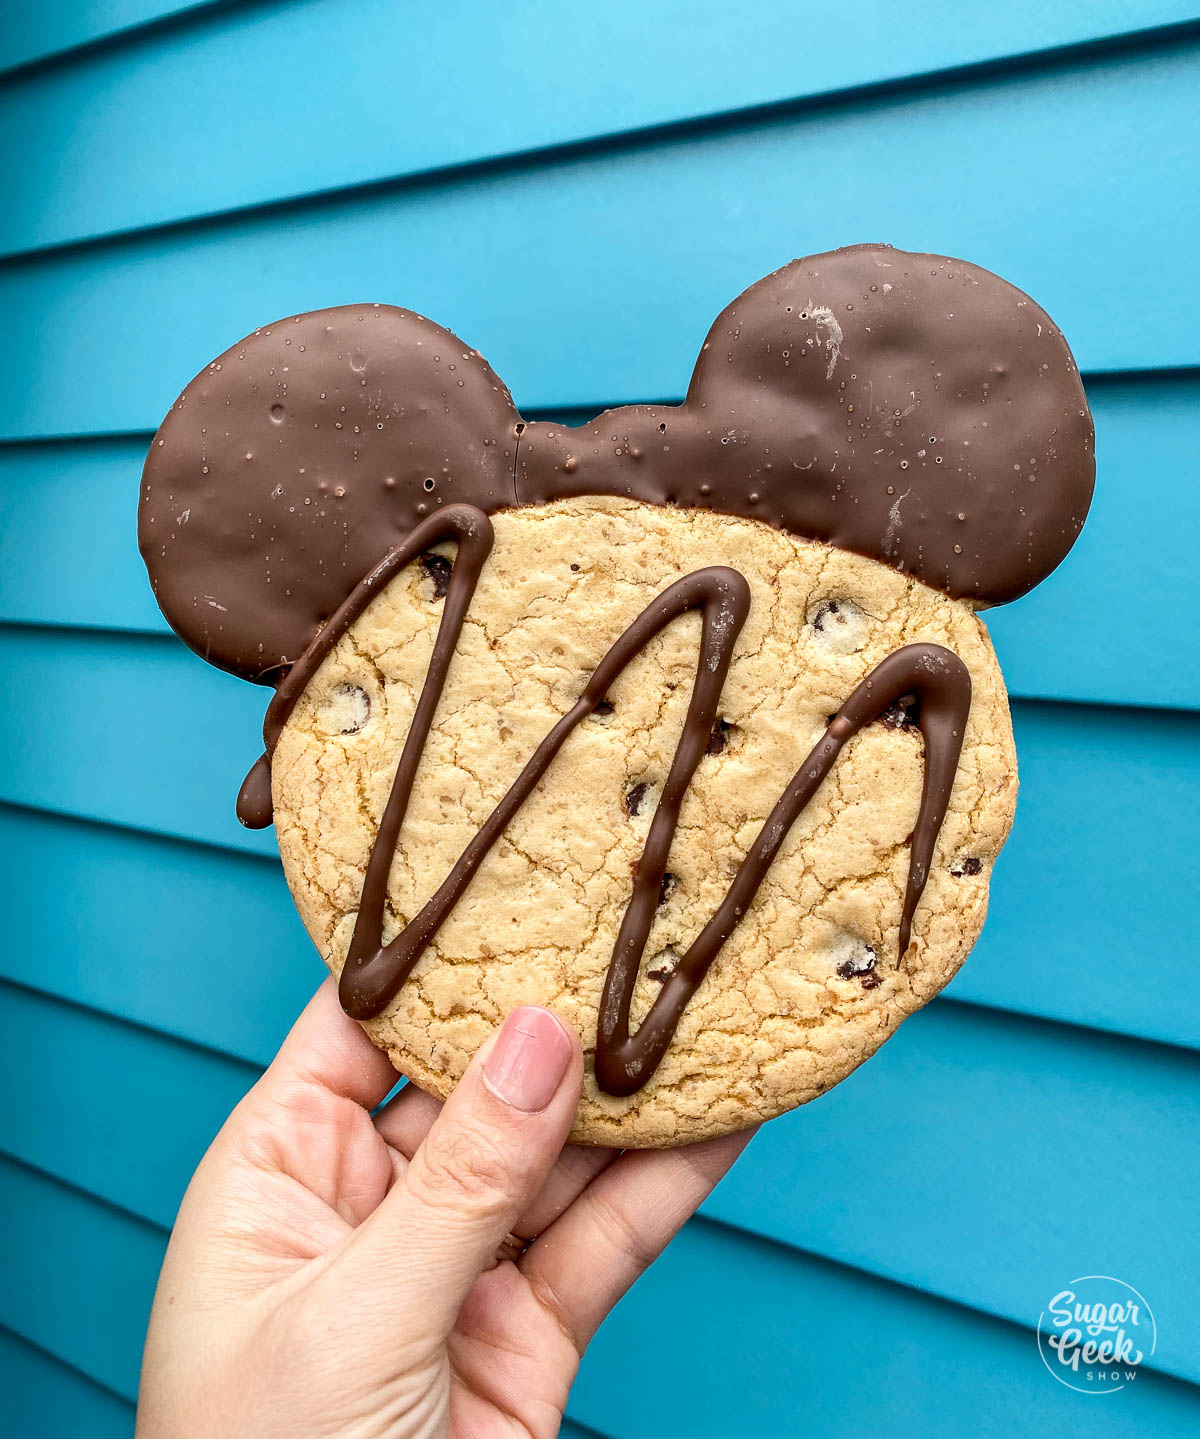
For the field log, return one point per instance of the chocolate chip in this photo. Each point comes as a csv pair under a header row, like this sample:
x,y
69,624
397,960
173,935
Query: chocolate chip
x,y
437,570
970,865
603,709
664,964
904,713
861,961
667,888
870,980
635,797
718,740
839,626
575,569
350,709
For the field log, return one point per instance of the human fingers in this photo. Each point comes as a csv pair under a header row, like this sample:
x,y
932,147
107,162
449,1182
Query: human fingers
x,y
619,1225
326,1050
405,1121
485,1156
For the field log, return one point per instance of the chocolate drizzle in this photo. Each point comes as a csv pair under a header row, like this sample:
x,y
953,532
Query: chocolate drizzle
x,y
473,531
625,1061
374,972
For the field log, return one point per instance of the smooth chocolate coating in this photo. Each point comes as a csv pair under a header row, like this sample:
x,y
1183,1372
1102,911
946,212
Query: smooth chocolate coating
x,y
911,408
297,459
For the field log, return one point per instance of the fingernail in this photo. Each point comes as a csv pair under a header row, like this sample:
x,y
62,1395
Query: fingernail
x,y
527,1063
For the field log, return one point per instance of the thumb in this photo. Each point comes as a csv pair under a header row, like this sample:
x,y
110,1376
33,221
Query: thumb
x,y
486,1156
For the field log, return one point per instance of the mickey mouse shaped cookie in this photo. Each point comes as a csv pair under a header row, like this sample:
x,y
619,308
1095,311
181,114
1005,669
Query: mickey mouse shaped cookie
x,y
682,723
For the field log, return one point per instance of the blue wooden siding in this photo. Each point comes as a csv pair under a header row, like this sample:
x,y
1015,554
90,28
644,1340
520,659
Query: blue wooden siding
x,y
39,33
530,174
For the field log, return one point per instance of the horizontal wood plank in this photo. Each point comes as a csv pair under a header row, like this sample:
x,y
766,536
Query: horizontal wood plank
x,y
37,32
43,1398
780,1338
135,1131
725,1338
1096,630
132,751
68,547
963,1148
212,117
599,272
1097,877
192,927
76,1276
1112,611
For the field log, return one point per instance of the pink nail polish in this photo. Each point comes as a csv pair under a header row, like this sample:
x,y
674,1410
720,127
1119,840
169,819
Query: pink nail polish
x,y
529,1059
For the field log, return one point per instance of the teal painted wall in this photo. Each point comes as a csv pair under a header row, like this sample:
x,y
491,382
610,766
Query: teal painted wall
x,y
175,174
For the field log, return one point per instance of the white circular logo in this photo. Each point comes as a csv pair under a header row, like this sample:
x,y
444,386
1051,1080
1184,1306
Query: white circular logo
x,y
1094,1334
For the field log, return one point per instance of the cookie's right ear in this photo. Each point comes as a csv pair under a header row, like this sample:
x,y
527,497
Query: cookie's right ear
x,y
914,408
297,459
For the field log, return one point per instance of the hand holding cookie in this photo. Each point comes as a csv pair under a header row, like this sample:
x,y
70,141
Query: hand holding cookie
x,y
424,1270
634,781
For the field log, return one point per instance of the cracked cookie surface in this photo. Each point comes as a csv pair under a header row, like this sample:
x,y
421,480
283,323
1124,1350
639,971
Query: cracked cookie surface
x,y
809,983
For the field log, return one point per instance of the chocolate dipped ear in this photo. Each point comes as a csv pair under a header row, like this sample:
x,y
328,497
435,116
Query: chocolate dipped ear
x,y
297,459
912,408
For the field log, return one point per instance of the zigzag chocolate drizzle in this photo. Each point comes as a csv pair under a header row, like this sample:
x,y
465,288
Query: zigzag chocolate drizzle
x,y
374,972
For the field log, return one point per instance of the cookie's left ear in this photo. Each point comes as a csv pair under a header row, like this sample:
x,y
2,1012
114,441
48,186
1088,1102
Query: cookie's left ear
x,y
297,459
